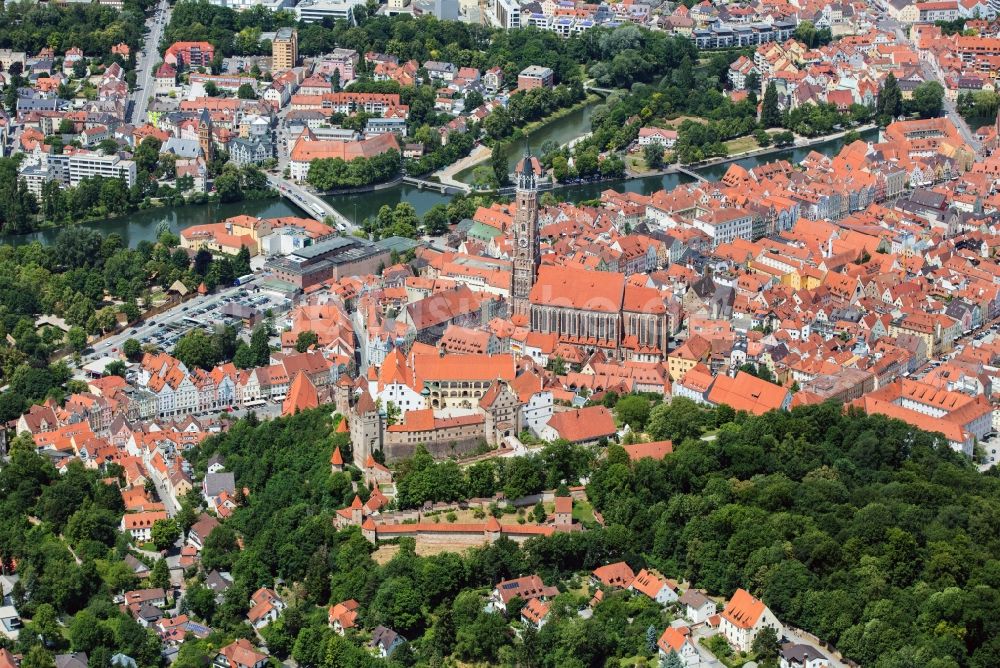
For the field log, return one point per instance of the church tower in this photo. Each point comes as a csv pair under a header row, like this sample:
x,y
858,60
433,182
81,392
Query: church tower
x,y
527,255
205,139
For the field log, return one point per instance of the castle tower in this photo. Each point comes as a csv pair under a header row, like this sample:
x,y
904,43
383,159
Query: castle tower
x,y
527,255
366,429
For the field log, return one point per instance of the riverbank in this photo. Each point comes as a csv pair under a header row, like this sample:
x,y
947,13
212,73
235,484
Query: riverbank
x,y
800,143
560,126
154,204
534,126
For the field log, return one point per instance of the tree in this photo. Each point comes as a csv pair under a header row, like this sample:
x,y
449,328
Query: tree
x,y
160,575
765,644
752,82
77,338
246,92
164,533
770,115
305,340
928,99
201,601
436,220
678,420
633,410
498,160
260,346
132,350
889,103
473,100
671,660
652,153
197,350
115,368
147,154
557,365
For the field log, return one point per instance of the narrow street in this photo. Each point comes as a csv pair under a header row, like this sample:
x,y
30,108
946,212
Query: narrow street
x,y
145,62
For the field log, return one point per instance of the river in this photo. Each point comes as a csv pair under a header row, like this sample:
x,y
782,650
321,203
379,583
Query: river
x,y
142,225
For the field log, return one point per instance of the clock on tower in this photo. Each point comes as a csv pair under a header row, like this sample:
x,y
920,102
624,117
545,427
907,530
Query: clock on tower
x,y
526,246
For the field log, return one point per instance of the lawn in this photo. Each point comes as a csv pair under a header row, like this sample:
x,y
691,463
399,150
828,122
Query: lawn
x,y
741,145
635,163
583,512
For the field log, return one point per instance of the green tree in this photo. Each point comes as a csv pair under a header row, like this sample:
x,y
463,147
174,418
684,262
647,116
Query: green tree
x,y
498,160
197,350
246,92
633,410
766,645
928,99
77,338
652,154
164,534
132,350
305,340
770,114
889,103
160,575
115,368
201,601
147,154
671,660
260,347
677,420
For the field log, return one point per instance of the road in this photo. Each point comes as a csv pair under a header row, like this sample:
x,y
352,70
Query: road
x,y
145,62
931,73
310,203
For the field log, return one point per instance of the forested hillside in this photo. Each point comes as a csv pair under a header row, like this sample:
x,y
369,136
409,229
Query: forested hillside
x,y
861,530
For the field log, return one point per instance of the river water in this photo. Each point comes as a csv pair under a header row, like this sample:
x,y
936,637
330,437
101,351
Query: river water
x,y
142,225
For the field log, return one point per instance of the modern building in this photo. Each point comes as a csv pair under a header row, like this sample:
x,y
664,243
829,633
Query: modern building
x,y
285,49
535,76
70,168
333,259
507,14
313,11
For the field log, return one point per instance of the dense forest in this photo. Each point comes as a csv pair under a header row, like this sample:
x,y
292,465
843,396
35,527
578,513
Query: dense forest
x,y
860,529
95,28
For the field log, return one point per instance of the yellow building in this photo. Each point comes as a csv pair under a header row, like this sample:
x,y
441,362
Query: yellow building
x,y
285,49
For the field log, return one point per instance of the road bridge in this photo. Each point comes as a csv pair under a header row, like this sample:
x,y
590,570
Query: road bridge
x,y
313,205
445,189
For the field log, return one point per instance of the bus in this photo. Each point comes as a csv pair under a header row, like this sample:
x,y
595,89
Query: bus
x,y
243,280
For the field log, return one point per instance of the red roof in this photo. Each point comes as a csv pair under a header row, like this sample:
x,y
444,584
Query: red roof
x,y
585,424
618,575
301,396
743,610
654,450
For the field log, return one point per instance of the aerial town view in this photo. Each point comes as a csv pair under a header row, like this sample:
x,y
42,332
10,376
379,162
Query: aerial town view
x,y
516,333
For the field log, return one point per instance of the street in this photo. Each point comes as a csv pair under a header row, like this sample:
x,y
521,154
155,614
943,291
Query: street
x,y
145,62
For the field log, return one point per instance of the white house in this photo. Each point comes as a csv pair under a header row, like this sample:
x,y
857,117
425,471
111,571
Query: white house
x,y
794,655
660,590
663,137
744,617
697,607
678,640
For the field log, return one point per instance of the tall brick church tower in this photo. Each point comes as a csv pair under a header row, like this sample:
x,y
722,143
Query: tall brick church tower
x,y
527,256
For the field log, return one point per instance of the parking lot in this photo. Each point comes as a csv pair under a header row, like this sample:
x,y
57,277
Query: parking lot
x,y
203,311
